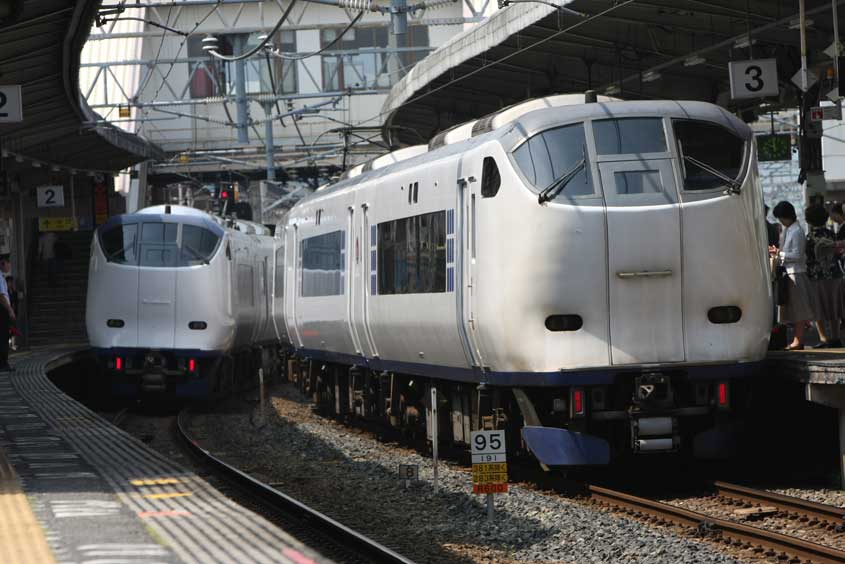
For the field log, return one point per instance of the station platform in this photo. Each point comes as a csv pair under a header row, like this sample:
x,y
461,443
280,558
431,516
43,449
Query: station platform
x,y
822,374
74,488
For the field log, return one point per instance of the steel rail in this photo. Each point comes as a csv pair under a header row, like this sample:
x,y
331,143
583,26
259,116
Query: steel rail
x,y
736,533
311,518
835,516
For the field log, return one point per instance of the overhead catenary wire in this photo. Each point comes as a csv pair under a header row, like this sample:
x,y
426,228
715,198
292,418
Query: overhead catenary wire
x,y
261,44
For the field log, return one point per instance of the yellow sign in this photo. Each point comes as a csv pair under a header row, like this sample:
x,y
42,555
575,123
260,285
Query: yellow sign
x,y
56,224
124,111
494,473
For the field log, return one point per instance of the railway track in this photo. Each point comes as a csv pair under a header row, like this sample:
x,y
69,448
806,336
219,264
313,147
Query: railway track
x,y
765,542
813,514
291,510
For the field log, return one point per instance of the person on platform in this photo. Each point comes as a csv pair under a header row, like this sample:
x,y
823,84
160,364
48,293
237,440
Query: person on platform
x,y
825,277
7,314
47,253
792,256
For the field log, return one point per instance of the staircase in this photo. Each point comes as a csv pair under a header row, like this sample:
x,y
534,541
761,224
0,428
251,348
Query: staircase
x,y
57,314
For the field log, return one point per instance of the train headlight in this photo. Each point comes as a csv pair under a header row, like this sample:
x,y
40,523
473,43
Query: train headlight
x,y
724,314
197,325
115,323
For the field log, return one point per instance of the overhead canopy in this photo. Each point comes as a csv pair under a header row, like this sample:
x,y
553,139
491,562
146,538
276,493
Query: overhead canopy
x,y
40,51
537,48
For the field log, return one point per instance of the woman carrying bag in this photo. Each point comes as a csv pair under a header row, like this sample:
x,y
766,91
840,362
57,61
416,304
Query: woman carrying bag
x,y
792,257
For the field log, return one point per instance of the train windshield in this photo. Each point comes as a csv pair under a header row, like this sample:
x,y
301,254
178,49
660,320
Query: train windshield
x,y
712,155
158,244
554,162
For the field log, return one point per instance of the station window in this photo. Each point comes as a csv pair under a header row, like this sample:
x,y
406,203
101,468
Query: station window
x,y
322,265
346,66
553,154
118,243
412,254
629,136
711,145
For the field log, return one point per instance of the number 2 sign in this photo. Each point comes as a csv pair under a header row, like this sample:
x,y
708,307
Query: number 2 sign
x,y
51,196
11,110
753,79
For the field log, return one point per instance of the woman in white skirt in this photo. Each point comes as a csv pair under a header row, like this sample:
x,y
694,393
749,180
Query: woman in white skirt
x,y
825,277
792,256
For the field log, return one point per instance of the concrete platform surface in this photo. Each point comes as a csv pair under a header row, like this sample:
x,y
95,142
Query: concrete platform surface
x,y
100,495
810,366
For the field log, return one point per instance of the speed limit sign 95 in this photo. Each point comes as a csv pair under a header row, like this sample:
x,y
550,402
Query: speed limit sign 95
x,y
753,79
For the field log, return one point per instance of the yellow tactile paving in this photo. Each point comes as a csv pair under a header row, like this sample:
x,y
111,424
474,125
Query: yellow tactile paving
x,y
21,536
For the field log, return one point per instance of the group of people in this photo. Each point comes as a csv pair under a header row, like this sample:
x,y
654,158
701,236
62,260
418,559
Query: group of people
x,y
813,267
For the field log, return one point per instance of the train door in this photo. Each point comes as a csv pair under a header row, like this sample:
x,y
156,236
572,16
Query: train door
x,y
368,236
469,181
292,284
354,287
644,261
158,257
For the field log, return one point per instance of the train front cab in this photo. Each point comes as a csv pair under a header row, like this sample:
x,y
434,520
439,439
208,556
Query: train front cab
x,y
687,311
158,315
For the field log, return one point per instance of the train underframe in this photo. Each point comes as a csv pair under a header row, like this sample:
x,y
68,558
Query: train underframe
x,y
638,414
137,372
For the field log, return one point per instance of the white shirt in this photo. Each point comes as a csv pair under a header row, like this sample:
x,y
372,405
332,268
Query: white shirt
x,y
4,288
793,248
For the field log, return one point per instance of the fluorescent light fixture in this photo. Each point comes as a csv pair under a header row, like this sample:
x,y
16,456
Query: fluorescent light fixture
x,y
694,60
55,168
18,159
36,164
650,76
612,89
744,41
796,23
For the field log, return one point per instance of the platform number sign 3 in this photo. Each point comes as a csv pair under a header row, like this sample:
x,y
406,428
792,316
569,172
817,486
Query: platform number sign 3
x,y
51,196
757,78
10,104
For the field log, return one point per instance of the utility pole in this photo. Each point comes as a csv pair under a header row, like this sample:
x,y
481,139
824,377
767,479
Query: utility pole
x,y
268,141
240,94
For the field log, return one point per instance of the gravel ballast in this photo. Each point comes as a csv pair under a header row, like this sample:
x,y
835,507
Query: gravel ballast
x,y
351,476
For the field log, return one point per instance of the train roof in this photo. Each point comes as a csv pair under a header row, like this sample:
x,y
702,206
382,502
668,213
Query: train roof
x,y
189,215
515,123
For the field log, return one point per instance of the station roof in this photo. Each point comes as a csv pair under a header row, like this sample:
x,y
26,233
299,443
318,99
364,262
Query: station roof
x,y
40,50
536,48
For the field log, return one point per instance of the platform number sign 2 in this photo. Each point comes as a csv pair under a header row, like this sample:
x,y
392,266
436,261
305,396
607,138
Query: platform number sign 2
x,y
757,78
51,196
10,104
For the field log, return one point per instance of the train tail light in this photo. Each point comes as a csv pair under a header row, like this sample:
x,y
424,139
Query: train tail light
x,y
192,365
723,396
118,363
578,402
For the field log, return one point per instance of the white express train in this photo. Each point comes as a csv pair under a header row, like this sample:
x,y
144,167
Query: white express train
x,y
591,277
176,296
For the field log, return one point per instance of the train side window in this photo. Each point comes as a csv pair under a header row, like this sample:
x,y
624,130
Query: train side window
x,y
280,273
246,291
710,145
412,255
490,178
553,154
322,265
629,136
118,243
